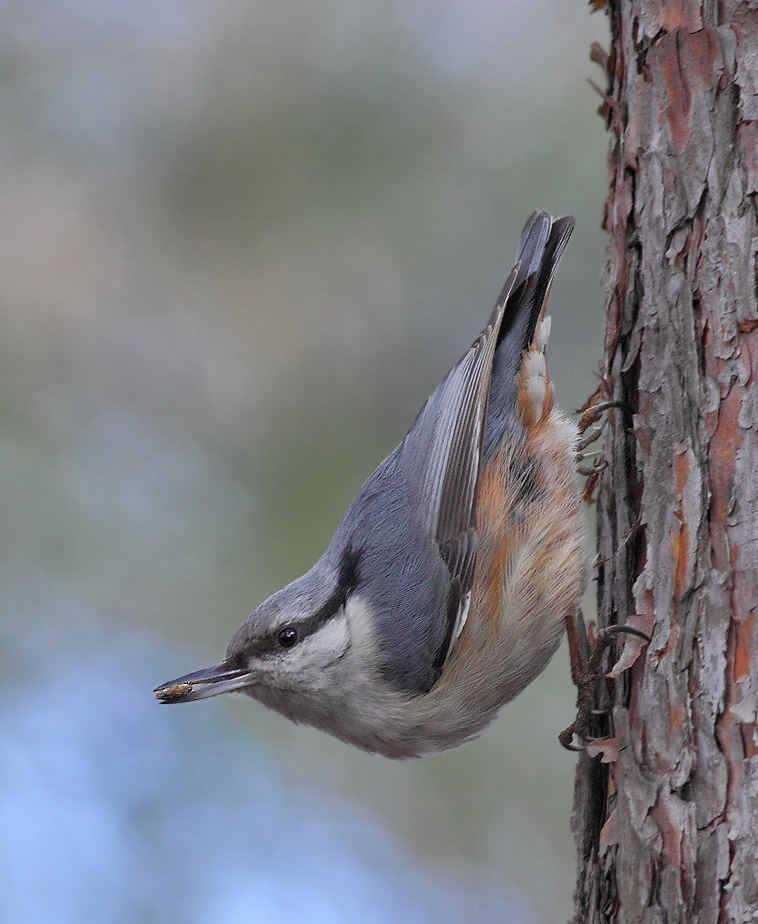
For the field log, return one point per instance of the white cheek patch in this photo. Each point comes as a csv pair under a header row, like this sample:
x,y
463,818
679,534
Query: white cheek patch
x,y
325,646
331,639
306,665
358,616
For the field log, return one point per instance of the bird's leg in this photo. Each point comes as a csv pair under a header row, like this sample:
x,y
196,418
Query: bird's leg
x,y
594,412
586,672
579,657
599,464
587,652
593,435
579,646
590,414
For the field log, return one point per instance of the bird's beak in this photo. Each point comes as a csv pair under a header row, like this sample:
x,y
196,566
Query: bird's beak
x,y
211,681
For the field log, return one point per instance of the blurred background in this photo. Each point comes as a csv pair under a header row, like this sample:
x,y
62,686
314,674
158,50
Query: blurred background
x,y
241,243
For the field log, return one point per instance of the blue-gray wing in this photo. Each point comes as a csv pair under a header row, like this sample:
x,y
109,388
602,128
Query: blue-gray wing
x,y
445,449
443,453
413,527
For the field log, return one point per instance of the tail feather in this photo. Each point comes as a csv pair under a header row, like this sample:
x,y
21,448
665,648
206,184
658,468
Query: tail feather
x,y
534,238
542,244
560,232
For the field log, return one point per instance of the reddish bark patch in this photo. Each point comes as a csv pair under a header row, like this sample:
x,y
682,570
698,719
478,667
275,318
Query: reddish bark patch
x,y
681,15
688,60
680,540
743,642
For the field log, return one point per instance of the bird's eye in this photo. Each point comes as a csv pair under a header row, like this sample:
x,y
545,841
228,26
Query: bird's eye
x,y
287,637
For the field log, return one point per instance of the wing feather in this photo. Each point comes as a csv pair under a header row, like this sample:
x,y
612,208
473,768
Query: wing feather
x,y
443,451
444,446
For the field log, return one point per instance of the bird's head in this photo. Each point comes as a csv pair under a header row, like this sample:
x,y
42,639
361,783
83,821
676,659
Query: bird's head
x,y
291,647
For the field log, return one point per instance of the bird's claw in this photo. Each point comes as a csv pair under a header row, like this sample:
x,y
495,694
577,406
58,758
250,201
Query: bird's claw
x,y
586,679
590,414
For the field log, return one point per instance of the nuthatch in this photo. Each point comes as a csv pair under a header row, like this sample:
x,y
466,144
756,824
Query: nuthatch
x,y
448,584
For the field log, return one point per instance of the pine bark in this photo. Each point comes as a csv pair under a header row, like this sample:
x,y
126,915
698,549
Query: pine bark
x,y
666,811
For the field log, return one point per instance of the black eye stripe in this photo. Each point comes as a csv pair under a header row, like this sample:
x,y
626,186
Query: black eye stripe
x,y
311,624
327,611
349,574
348,580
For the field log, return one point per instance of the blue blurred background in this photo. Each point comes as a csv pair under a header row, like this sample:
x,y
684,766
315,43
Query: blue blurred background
x,y
241,243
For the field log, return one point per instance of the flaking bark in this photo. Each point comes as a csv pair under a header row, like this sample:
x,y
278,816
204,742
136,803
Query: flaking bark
x,y
666,812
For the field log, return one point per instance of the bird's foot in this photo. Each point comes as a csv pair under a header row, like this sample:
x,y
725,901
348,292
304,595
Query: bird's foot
x,y
590,431
587,672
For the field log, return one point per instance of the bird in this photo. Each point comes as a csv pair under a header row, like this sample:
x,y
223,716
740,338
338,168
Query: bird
x,y
450,580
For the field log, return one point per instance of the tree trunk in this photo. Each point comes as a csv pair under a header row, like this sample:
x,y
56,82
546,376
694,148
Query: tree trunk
x,y
666,811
